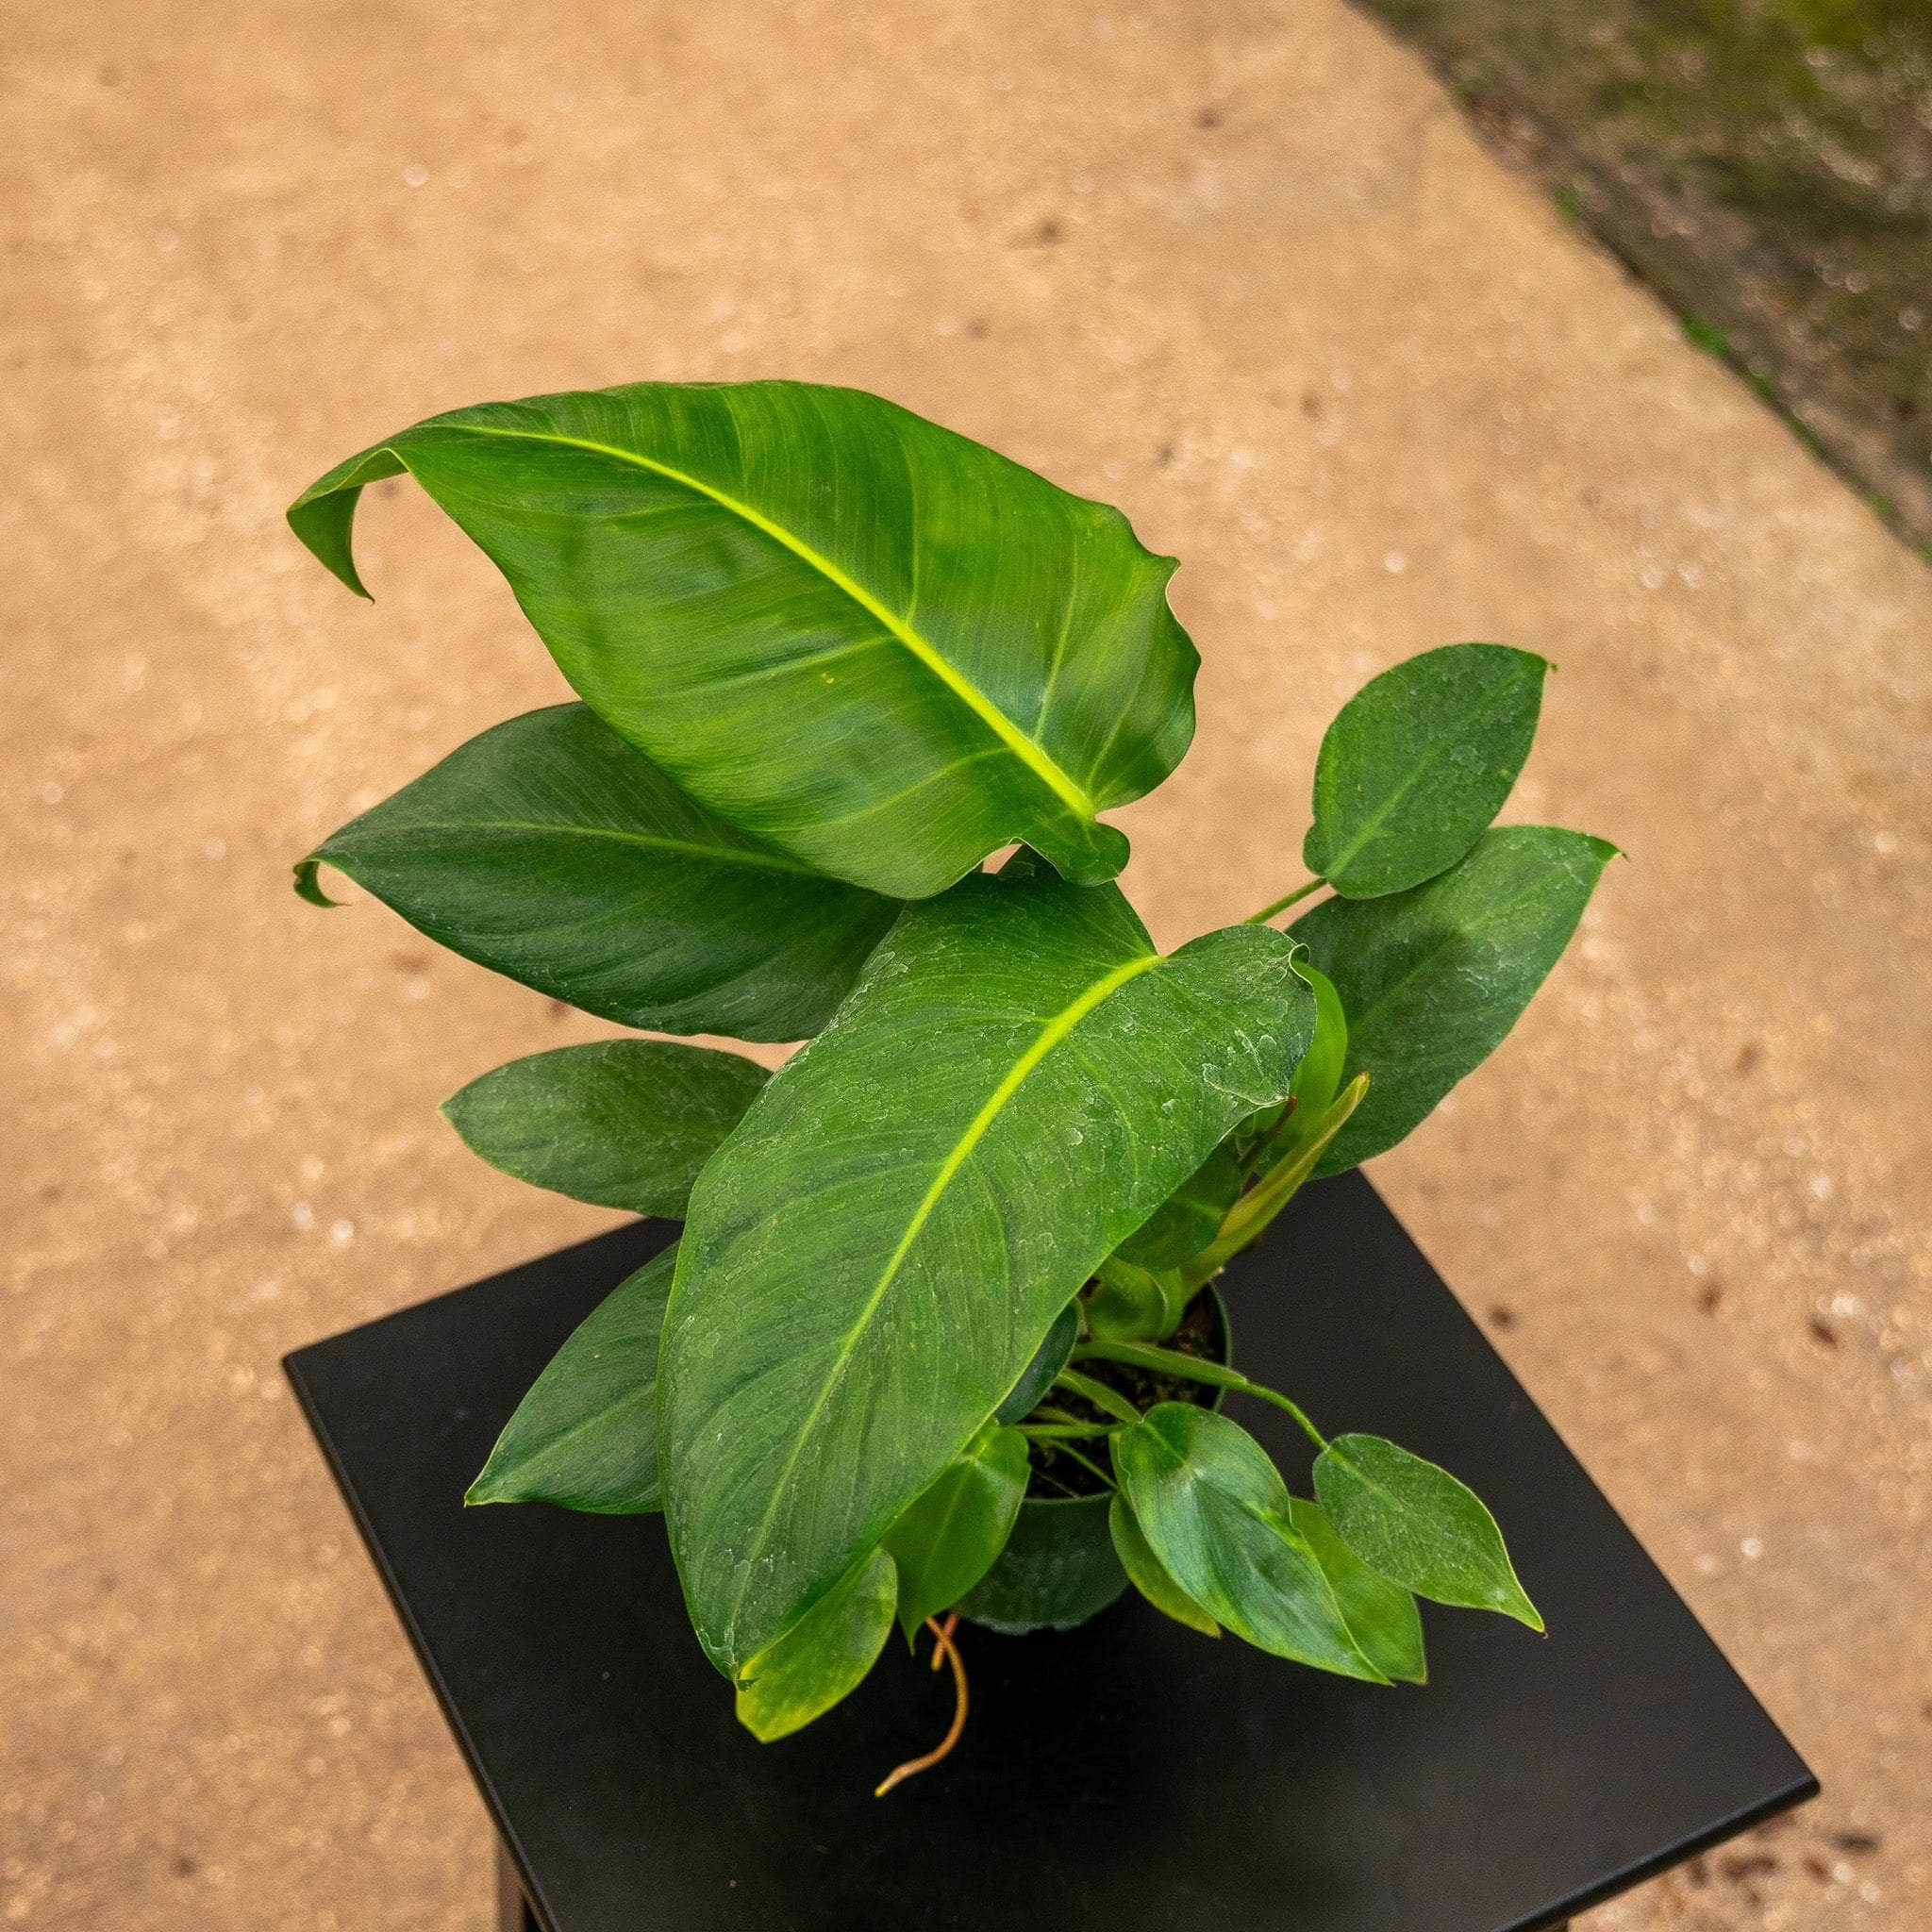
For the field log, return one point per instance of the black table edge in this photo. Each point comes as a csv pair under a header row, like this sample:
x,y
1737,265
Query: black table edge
x,y
493,1801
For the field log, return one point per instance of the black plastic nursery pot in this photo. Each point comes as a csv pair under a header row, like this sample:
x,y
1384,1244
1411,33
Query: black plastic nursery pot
x,y
1126,1773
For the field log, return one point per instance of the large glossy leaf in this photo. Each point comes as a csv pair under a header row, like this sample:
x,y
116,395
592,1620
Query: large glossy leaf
x,y
1432,979
1419,1526
620,1122
824,1656
1418,763
859,636
872,1258
1215,1513
951,1536
586,1433
549,850
1381,1616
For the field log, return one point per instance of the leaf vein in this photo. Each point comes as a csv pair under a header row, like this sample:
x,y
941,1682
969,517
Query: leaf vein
x,y
1049,1036
1026,749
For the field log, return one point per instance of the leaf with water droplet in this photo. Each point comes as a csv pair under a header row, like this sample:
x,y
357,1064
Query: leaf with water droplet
x,y
1419,1526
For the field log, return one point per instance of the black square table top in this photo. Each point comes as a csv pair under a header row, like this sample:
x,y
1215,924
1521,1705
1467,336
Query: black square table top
x,y
1130,1774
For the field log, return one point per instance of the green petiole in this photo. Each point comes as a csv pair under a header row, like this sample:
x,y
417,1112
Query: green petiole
x,y
1282,904
1170,1362
1086,1462
1108,1400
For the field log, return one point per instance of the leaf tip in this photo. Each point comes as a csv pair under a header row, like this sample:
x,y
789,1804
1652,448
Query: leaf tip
x,y
308,885
766,1729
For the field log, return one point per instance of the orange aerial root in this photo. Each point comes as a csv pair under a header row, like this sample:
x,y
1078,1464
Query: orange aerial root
x,y
942,1638
943,1647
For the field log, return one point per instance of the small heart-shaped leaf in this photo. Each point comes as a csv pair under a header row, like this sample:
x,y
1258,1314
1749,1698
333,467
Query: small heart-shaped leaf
x,y
1145,1573
620,1122
1419,1526
1381,1615
1432,979
951,1536
1418,763
1215,1513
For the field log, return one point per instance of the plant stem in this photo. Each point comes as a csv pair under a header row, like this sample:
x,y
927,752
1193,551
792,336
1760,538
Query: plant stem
x,y
1062,1433
1282,904
1282,1133
1092,1468
1246,1221
1170,1362
1054,1413
1099,1395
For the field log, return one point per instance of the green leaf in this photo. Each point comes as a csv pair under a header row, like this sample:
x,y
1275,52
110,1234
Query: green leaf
x,y
551,851
1433,979
951,1536
1278,1184
824,1656
1381,1616
1419,1526
1215,1513
1262,1141
1015,1084
585,1435
861,637
1145,1573
621,1122
1037,1377
1186,1222
1318,1079
1418,763
1132,1304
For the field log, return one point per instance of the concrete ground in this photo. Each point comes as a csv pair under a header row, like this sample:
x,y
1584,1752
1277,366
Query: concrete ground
x,y
1241,269
1766,165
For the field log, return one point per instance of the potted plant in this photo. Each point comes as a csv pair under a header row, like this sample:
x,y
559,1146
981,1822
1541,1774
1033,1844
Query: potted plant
x,y
940,1337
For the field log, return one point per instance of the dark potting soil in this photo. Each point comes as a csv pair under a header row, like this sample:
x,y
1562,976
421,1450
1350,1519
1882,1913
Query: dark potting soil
x,y
1058,1474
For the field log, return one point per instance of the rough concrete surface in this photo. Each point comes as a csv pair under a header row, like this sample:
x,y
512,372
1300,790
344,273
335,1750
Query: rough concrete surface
x,y
1765,165
1242,269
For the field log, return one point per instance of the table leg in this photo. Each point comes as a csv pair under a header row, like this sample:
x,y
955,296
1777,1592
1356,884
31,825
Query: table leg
x,y
513,1913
